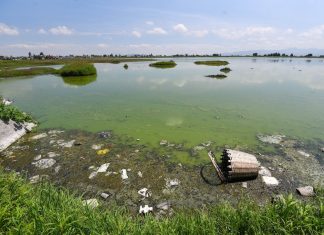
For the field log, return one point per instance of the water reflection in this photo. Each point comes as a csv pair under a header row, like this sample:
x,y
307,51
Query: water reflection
x,y
79,81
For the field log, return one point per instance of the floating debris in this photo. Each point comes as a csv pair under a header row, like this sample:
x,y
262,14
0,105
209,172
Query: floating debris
x,y
91,203
102,151
45,163
145,209
124,175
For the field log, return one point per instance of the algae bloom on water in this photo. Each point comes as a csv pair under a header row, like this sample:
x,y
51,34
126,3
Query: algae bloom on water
x,y
78,69
164,64
212,62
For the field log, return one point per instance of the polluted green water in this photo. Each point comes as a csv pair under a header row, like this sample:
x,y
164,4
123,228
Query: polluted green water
x,y
181,105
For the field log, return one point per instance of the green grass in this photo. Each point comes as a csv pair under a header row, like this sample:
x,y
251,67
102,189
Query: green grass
x,y
45,209
217,76
27,72
212,62
225,70
8,112
164,64
77,69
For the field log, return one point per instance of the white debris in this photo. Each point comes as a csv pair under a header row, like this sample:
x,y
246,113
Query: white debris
x,y
68,144
271,139
301,152
91,167
96,146
34,179
108,173
172,182
270,181
129,169
51,132
307,191
38,157
6,101
92,175
104,195
144,192
207,143
124,175
140,174
57,169
52,154
136,150
244,184
264,171
103,167
52,142
163,142
39,136
198,148
91,203
145,209
45,163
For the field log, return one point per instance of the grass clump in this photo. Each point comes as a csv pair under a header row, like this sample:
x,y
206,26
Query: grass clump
x,y
8,112
164,64
27,72
212,62
125,66
44,209
77,69
225,70
218,76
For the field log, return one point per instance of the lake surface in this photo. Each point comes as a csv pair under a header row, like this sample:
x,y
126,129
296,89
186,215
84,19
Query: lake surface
x,y
262,95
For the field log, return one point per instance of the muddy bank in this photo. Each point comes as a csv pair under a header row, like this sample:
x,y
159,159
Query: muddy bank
x,y
117,169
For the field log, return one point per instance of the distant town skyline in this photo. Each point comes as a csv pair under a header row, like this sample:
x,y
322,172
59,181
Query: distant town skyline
x,y
63,27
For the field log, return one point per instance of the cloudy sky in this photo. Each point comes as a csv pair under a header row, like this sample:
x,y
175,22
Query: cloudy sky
x,y
158,27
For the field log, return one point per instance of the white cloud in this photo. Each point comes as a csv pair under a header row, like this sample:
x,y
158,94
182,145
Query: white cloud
x,y
157,30
315,32
102,45
61,30
181,28
199,33
42,31
7,30
136,34
149,22
243,32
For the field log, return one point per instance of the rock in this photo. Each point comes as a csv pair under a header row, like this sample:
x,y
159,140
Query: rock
x,y
92,175
145,209
264,171
171,183
91,167
307,191
140,174
91,203
96,146
11,131
52,132
38,157
34,179
39,136
108,173
124,175
244,184
103,167
301,152
52,154
198,148
271,168
57,169
163,142
163,206
136,150
322,149
104,195
45,163
271,139
68,144
270,181
105,134
144,192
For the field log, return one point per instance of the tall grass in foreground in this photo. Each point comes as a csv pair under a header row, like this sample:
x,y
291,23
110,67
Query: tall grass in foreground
x,y
44,209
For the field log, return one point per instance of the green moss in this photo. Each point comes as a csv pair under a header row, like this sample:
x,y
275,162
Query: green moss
x,y
164,64
44,209
218,76
212,62
9,112
27,72
225,70
77,69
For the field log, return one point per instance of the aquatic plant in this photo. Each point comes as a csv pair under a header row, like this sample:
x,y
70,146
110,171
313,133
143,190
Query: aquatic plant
x,y
45,209
164,64
212,62
218,76
78,69
80,80
225,70
10,112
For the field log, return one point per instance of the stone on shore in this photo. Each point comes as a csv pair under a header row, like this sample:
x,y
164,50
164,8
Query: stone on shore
x,y
91,203
39,136
270,181
45,163
307,191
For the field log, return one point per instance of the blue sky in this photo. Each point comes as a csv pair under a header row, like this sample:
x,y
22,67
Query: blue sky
x,y
158,27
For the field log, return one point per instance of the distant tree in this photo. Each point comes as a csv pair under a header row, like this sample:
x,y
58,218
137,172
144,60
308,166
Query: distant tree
x,y
291,55
29,54
309,55
41,54
255,54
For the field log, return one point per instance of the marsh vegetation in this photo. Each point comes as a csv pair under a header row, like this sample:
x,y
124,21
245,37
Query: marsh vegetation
x,y
217,76
77,69
225,70
164,64
212,62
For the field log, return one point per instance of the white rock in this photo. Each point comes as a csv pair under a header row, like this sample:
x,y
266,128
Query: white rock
x,y
270,181
108,173
271,139
45,163
91,167
51,132
57,169
172,182
136,150
92,203
39,136
96,146
144,192
145,209
163,142
93,174
244,184
301,152
68,144
264,171
52,154
198,148
124,175
34,179
140,174
38,157
163,206
104,195
103,167
307,191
